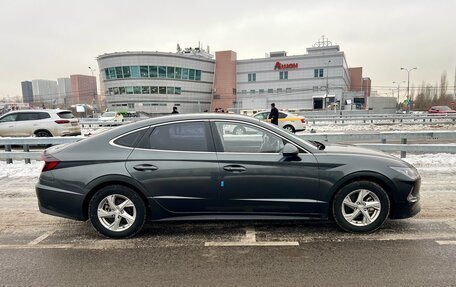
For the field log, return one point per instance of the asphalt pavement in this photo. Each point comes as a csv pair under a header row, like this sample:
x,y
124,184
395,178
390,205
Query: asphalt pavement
x,y
41,250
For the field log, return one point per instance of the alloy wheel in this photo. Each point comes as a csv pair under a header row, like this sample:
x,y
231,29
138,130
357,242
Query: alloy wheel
x,y
361,207
116,212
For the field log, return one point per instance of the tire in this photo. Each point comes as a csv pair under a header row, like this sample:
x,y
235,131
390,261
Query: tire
x,y
42,134
113,220
351,209
289,128
239,130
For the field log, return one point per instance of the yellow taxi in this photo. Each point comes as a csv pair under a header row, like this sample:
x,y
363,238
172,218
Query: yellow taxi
x,y
288,121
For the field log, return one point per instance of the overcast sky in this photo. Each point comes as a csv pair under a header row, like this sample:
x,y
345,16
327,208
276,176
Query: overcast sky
x,y
48,39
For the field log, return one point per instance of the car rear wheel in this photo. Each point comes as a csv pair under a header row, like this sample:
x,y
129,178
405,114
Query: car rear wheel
x,y
289,128
43,134
117,211
361,206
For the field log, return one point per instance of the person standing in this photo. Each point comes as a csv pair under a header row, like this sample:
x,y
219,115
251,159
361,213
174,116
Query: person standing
x,y
274,115
174,110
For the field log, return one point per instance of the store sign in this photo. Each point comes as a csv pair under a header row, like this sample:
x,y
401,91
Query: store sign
x,y
280,66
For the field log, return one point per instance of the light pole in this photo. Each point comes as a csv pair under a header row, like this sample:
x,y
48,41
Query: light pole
x,y
92,70
327,84
408,83
398,85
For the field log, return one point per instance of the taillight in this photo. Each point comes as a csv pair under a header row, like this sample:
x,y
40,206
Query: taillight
x,y
62,121
303,120
50,162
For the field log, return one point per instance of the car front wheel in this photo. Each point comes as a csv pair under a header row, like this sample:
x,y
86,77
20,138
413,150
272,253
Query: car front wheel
x,y
361,206
117,211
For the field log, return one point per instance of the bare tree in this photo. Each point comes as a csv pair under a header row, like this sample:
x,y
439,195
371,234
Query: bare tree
x,y
443,88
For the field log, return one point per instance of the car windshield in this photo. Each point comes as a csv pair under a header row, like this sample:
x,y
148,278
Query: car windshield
x,y
109,114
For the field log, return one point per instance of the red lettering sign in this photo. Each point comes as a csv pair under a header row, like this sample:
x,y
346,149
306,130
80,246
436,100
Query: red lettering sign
x,y
280,66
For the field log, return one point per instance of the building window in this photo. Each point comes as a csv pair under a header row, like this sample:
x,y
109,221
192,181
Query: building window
x,y
162,90
234,92
244,92
144,71
122,90
153,71
119,73
170,72
191,74
177,91
131,105
170,90
270,91
154,90
135,71
279,90
145,90
129,90
252,92
283,75
197,75
126,72
184,74
318,73
112,73
162,72
251,77
288,90
178,73
137,89
261,91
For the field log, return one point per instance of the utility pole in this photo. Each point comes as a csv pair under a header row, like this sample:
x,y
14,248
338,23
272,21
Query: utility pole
x,y
327,84
398,85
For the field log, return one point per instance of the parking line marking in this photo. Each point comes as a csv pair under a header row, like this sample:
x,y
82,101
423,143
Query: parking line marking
x,y
41,238
47,246
447,242
250,240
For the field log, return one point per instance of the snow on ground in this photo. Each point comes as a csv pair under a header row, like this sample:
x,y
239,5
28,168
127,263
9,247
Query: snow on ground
x,y
443,163
374,127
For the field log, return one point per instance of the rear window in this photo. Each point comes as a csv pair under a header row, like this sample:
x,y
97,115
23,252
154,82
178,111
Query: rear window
x,y
65,115
131,139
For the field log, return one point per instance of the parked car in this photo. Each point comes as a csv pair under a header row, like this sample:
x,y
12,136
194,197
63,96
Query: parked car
x,y
111,117
288,121
39,123
441,110
186,167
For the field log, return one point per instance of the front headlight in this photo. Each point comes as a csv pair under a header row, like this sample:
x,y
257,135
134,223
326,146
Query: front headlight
x,y
409,172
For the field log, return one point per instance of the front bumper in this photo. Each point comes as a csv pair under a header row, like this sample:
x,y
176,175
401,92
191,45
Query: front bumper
x,y
59,202
407,203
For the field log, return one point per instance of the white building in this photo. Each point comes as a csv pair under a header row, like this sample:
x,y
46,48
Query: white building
x,y
64,88
45,93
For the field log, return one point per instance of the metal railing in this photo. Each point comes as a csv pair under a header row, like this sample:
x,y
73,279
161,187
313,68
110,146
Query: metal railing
x,y
19,148
381,119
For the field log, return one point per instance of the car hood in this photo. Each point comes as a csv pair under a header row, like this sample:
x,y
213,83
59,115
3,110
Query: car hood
x,y
355,150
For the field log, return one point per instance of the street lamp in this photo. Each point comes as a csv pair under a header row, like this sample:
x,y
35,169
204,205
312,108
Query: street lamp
x,y
408,81
327,84
398,85
92,70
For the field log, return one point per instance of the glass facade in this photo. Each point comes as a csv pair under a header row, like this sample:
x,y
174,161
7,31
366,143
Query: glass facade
x,y
144,90
164,72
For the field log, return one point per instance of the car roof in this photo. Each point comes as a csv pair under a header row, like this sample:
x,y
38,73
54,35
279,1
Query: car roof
x,y
41,110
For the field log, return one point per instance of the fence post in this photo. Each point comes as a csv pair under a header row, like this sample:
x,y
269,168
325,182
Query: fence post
x,y
383,141
27,149
403,153
8,149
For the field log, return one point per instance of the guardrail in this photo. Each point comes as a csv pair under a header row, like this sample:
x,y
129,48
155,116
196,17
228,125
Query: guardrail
x,y
381,119
357,138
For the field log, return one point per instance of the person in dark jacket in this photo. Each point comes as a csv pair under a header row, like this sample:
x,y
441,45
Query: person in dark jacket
x,y
174,110
274,115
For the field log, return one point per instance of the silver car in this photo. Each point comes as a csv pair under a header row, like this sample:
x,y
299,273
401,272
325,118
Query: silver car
x,y
39,123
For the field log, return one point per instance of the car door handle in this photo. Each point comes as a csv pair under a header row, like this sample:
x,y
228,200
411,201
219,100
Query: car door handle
x,y
145,167
234,168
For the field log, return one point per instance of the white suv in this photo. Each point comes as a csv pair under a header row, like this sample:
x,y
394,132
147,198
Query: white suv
x,y
39,123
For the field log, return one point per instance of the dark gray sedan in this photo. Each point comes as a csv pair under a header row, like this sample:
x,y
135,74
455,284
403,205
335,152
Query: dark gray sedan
x,y
194,167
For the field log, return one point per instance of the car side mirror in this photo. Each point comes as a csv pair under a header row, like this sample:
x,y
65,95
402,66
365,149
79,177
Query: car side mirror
x,y
290,150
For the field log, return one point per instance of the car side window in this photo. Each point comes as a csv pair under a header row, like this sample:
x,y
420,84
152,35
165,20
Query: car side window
x,y
9,118
27,117
190,136
251,140
131,139
282,115
42,116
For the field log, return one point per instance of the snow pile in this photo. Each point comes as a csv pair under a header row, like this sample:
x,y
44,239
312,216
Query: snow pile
x,y
373,127
435,161
20,169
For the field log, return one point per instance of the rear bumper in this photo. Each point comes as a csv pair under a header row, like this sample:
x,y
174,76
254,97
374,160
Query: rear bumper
x,y
59,202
